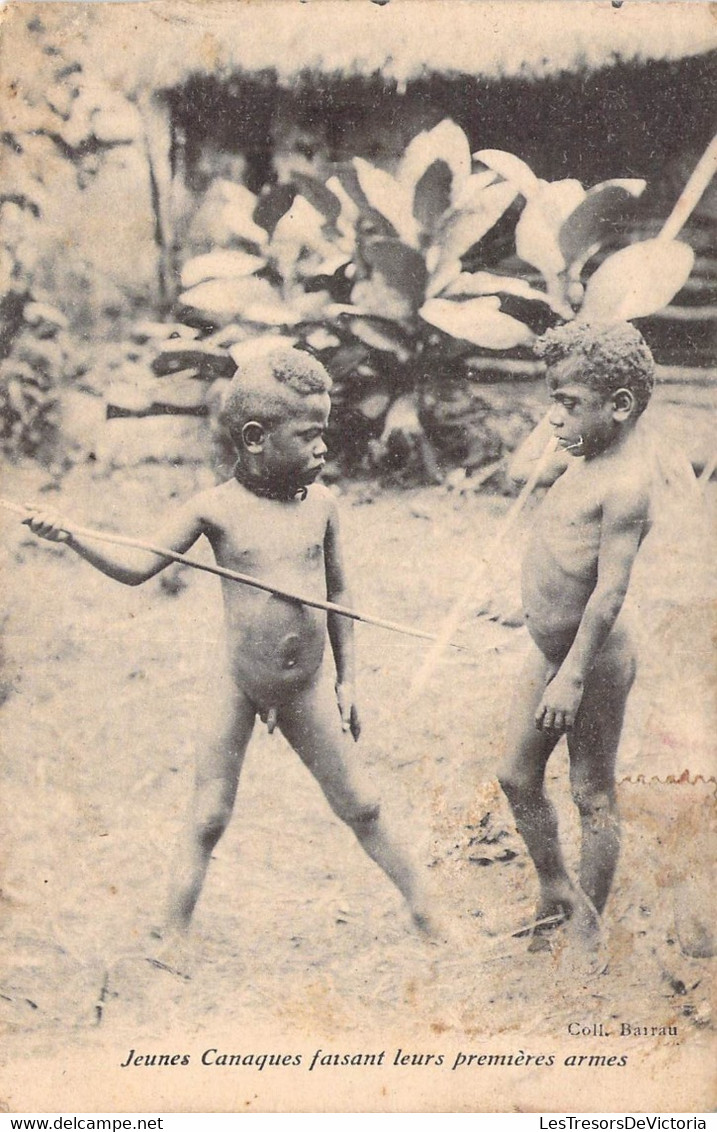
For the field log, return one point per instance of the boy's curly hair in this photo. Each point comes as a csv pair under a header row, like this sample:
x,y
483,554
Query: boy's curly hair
x,y
605,356
268,380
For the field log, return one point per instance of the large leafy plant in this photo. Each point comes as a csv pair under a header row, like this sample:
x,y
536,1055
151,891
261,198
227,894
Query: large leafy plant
x,y
368,270
394,280
563,227
413,310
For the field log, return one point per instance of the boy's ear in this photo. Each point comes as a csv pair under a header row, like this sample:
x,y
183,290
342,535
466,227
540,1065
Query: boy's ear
x,y
623,404
252,434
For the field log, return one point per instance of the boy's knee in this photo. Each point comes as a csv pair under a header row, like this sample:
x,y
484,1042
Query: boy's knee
x,y
516,786
597,805
210,821
360,816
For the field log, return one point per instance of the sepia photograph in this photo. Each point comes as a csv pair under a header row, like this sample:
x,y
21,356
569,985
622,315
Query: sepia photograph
x,y
358,707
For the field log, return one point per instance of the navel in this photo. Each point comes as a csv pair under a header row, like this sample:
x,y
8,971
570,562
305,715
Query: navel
x,y
289,651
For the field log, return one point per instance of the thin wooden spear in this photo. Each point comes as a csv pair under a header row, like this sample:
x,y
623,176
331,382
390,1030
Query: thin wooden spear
x,y
234,576
481,567
700,178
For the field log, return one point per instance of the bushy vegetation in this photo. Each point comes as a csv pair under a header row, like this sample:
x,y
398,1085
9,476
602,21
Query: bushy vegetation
x,y
58,124
404,282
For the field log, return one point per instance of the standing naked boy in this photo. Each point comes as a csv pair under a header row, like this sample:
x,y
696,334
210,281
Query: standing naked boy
x,y
270,521
575,577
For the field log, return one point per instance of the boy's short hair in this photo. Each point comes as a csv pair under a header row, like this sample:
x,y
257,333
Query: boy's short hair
x,y
605,356
268,380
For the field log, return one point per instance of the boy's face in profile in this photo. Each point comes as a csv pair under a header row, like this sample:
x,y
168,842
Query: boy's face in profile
x,y
582,418
294,447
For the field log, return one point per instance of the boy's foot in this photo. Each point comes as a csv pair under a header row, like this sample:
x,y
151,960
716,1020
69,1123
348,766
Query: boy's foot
x,y
567,919
432,928
552,913
585,926
585,953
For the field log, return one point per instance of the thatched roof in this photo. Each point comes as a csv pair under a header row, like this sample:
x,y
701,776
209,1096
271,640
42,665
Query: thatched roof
x,y
161,43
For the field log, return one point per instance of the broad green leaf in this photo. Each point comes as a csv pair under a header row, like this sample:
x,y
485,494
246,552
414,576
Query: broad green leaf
x,y
322,339
510,167
272,204
347,359
381,335
252,299
227,336
472,283
447,143
402,418
402,268
243,352
470,191
358,213
375,296
432,197
298,246
309,306
635,186
328,266
178,354
391,200
598,216
537,231
231,207
479,321
301,225
464,229
637,281
227,263
320,196
275,313
347,176
346,221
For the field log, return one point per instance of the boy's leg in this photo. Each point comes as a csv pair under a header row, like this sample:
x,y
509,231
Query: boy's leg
x,y
215,785
593,745
522,777
312,725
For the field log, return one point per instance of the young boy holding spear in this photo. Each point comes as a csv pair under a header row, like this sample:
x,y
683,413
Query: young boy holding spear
x,y
576,573
272,521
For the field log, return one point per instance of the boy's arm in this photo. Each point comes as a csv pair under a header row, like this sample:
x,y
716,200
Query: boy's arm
x,y
623,525
124,564
341,629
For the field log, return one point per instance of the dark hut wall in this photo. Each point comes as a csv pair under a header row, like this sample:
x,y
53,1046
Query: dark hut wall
x,y
627,120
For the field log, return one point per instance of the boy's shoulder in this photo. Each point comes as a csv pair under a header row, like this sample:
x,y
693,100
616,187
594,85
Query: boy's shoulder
x,y
322,496
628,481
209,504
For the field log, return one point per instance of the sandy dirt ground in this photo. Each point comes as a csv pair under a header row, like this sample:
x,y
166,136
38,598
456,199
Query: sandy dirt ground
x,y
107,691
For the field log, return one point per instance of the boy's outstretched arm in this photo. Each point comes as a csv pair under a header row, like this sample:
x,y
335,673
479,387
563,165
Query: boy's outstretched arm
x,y
124,564
624,520
341,629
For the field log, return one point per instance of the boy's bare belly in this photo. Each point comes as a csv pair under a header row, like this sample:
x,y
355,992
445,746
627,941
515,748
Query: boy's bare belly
x,y
560,565
275,647
553,600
